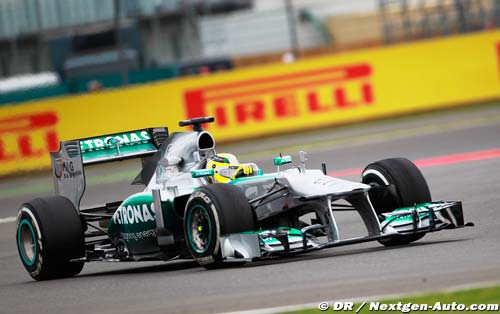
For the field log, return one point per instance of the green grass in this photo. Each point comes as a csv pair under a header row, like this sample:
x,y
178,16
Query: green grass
x,y
488,295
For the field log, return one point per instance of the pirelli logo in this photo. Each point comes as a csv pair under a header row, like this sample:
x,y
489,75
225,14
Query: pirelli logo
x,y
283,96
28,136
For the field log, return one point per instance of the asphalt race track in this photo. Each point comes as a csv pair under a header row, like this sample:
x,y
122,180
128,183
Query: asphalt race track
x,y
440,260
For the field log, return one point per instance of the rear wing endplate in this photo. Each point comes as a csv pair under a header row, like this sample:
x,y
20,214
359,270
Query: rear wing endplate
x,y
68,163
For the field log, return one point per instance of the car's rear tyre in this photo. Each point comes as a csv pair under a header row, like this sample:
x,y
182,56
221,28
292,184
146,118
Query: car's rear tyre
x,y
212,211
49,235
410,187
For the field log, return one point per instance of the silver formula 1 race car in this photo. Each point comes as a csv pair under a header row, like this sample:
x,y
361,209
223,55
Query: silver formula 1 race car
x,y
203,205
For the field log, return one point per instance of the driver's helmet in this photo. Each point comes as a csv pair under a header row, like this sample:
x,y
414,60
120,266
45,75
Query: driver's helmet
x,y
226,168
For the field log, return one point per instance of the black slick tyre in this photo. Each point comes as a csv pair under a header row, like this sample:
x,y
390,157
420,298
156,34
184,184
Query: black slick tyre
x,y
49,235
212,211
409,187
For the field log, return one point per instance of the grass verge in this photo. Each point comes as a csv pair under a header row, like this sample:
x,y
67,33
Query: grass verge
x,y
487,295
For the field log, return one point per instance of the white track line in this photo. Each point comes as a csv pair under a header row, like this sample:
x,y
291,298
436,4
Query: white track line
x,y
7,220
298,307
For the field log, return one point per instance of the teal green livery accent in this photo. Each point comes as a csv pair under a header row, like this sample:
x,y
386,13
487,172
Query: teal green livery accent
x,y
407,218
283,160
20,246
189,234
264,235
134,223
202,173
121,144
251,178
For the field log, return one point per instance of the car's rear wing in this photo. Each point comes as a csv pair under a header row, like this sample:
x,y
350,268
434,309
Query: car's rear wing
x,y
120,146
68,163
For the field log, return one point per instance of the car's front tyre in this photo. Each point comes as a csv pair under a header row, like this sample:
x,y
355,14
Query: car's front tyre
x,y
212,211
409,187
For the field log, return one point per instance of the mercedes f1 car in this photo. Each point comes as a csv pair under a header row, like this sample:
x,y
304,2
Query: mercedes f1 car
x,y
203,205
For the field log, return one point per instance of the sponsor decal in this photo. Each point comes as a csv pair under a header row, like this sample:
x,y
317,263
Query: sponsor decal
x,y
203,172
283,96
64,169
330,90
28,136
125,139
325,181
137,236
134,213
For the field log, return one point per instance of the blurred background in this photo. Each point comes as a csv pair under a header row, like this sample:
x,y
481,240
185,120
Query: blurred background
x,y
348,81
56,47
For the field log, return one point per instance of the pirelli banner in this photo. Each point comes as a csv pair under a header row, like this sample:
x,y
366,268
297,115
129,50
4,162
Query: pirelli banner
x,y
337,89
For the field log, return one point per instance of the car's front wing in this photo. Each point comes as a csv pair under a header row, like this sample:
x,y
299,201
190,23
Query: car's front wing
x,y
421,218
